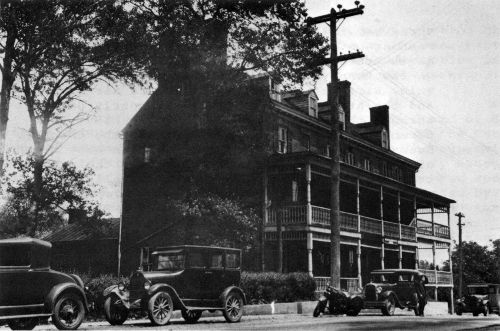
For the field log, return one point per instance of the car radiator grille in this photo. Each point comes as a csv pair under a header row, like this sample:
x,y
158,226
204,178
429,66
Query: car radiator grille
x,y
136,287
370,293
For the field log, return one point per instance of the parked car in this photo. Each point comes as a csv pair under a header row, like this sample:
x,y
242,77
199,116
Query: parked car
x,y
494,299
474,301
187,278
30,291
338,302
391,288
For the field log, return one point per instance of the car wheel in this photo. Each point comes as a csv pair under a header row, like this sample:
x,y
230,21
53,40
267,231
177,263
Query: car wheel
x,y
114,311
458,310
320,308
485,310
389,306
69,312
191,316
475,314
233,307
22,323
160,308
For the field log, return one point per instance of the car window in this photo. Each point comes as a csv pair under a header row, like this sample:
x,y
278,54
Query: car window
x,y
232,260
491,290
478,290
385,278
170,262
406,277
196,260
216,260
15,256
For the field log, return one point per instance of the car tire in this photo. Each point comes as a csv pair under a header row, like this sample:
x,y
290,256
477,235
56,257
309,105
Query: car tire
x,y
475,314
233,307
22,323
389,306
485,310
458,310
69,312
320,308
191,316
114,311
160,308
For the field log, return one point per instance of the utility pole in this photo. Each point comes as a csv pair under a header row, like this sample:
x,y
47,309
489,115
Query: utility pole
x,y
335,130
460,253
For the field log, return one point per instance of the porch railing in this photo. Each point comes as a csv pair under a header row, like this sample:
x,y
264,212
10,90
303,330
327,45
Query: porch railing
x,y
425,227
346,284
294,215
443,277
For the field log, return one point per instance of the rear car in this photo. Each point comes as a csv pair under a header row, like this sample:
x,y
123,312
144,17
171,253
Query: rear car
x,y
30,291
188,278
475,300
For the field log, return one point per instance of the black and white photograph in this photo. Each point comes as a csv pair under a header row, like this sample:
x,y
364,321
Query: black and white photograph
x,y
249,165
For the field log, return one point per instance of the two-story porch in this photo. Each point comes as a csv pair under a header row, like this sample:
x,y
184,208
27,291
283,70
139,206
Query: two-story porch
x,y
384,223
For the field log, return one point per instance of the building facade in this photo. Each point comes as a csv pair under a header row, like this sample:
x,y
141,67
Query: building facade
x,y
386,220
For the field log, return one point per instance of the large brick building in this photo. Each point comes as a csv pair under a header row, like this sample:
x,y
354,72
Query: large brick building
x,y
386,220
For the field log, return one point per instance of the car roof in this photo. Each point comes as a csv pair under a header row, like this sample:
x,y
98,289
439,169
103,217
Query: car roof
x,y
387,271
25,241
479,285
37,250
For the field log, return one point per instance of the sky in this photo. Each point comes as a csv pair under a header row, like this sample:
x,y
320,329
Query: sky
x,y
436,64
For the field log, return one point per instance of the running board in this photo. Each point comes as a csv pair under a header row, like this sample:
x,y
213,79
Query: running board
x,y
8,317
203,308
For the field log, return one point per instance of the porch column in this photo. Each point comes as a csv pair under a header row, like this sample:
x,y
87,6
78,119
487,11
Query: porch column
x,y
310,253
451,270
432,219
416,257
265,220
399,214
435,268
358,205
358,256
382,251
400,257
308,194
309,221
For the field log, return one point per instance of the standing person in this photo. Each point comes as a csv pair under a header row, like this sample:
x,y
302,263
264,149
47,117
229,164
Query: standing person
x,y
420,281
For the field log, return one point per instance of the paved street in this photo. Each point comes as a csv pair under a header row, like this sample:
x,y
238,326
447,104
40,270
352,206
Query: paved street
x,y
307,322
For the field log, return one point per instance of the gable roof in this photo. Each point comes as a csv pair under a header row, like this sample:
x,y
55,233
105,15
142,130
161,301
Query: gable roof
x,y
76,231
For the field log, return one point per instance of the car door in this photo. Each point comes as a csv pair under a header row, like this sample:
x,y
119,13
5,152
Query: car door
x,y
214,275
405,287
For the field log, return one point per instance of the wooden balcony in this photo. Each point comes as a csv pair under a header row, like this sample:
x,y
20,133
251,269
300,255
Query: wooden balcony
x,y
438,230
438,278
297,215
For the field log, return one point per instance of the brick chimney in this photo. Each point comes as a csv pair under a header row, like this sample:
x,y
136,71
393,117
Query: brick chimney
x,y
344,98
380,116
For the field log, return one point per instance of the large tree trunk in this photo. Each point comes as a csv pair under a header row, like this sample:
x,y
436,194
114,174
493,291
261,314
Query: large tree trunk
x,y
37,186
5,93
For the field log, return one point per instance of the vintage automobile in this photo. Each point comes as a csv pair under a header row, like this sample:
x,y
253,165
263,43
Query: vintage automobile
x,y
391,288
474,301
30,291
338,302
494,299
187,278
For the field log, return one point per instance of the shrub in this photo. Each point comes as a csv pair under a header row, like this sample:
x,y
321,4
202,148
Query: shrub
x,y
273,286
96,286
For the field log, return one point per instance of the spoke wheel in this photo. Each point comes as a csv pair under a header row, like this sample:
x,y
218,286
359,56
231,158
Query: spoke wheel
x,y
389,306
160,308
233,307
22,323
69,312
191,316
114,311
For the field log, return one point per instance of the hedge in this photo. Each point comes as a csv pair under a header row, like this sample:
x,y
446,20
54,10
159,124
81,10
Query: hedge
x,y
266,287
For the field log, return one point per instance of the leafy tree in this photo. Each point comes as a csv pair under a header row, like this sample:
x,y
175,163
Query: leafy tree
x,y
67,191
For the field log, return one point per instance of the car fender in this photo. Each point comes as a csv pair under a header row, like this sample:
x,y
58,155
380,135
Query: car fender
x,y
122,295
57,290
232,289
386,294
178,304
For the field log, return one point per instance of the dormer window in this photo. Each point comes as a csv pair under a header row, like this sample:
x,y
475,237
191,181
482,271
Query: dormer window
x,y
385,139
341,119
313,105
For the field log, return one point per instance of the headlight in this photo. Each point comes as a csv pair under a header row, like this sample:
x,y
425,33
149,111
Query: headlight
x,y
147,285
379,289
121,286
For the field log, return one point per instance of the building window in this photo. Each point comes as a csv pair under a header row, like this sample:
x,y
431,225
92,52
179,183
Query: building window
x,y
384,169
396,173
147,154
295,191
282,139
367,164
307,142
385,139
350,158
341,119
327,150
351,256
313,106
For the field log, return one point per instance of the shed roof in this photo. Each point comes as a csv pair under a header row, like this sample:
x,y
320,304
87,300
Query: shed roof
x,y
77,231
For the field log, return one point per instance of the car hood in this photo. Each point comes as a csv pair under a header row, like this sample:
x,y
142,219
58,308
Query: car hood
x,y
160,276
